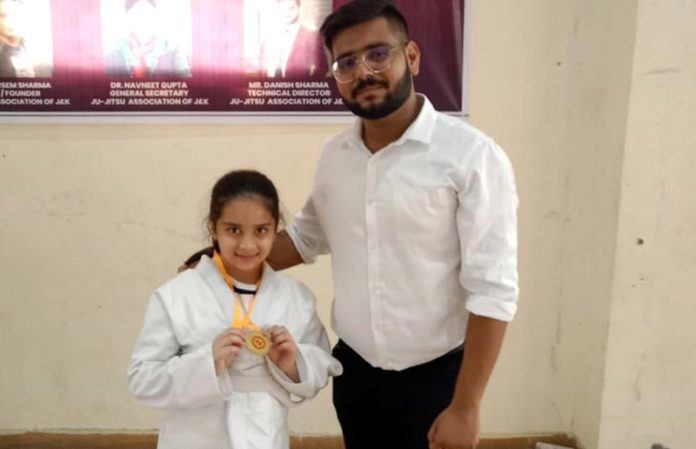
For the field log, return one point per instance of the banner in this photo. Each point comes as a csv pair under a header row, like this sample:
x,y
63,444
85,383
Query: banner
x,y
230,57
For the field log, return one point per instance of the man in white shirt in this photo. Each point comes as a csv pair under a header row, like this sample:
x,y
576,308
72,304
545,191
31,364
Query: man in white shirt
x,y
418,211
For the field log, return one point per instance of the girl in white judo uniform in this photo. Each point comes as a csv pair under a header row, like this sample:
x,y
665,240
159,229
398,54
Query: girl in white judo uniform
x,y
228,346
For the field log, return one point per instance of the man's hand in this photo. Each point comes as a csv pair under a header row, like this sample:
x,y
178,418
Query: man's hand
x,y
455,428
284,254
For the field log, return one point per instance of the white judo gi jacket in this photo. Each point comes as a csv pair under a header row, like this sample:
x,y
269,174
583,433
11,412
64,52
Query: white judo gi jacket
x,y
172,367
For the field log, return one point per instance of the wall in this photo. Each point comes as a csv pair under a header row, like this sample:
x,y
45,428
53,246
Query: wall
x,y
550,80
649,393
596,107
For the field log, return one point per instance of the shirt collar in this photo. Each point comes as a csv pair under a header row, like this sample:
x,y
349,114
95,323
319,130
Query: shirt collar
x,y
420,130
422,127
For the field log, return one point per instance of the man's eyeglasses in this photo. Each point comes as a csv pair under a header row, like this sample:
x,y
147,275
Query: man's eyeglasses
x,y
377,59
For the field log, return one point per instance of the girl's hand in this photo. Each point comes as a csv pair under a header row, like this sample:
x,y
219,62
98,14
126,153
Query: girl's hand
x,y
226,347
283,351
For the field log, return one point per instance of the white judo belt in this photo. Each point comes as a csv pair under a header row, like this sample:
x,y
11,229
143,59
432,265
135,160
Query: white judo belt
x,y
259,379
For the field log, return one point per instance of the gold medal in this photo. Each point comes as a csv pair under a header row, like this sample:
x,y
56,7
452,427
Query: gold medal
x,y
257,343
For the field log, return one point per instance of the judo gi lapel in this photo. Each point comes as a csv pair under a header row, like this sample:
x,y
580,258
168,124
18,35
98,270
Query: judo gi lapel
x,y
264,297
224,297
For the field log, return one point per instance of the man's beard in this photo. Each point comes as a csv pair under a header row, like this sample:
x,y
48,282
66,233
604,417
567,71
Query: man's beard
x,y
392,101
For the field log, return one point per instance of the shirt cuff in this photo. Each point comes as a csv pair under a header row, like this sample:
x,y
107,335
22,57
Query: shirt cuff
x,y
299,246
491,308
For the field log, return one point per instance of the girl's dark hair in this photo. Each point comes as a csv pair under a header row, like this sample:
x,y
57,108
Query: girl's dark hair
x,y
238,184
357,12
244,184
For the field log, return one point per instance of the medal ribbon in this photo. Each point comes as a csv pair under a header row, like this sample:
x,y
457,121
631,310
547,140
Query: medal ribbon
x,y
239,321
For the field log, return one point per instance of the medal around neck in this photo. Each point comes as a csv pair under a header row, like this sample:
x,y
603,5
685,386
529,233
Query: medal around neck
x,y
257,343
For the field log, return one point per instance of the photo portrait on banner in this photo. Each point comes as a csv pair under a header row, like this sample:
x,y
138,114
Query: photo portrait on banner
x,y
220,57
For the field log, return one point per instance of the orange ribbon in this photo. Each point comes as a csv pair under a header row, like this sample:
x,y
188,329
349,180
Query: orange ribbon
x,y
239,321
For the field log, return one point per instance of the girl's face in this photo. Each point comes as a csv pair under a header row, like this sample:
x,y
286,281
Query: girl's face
x,y
245,233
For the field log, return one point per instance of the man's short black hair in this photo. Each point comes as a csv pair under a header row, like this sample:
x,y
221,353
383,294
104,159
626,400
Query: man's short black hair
x,y
359,11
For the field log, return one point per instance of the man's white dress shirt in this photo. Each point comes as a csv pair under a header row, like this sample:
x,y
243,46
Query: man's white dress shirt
x,y
421,233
